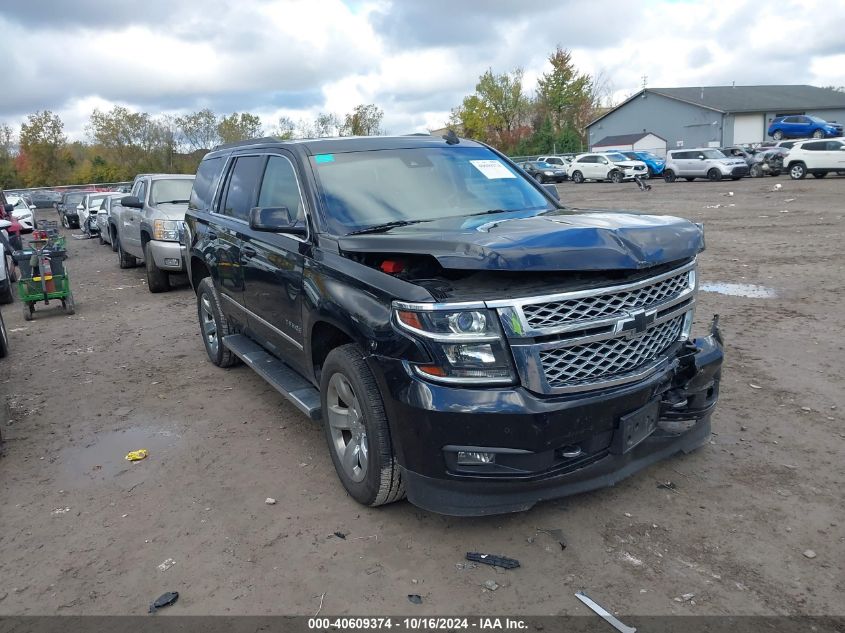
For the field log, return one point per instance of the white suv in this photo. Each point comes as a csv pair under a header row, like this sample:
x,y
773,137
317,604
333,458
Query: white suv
x,y
595,167
817,157
631,166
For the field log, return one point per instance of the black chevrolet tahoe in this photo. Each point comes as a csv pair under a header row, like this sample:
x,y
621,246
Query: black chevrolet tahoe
x,y
463,338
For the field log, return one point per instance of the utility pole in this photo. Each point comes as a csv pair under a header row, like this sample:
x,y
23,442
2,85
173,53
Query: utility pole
x,y
645,80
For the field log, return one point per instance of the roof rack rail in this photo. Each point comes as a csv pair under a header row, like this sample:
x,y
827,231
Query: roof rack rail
x,y
254,141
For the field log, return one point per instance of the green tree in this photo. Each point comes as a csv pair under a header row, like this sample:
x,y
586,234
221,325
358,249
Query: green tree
x,y
199,129
239,127
285,129
364,120
131,141
563,92
9,176
41,142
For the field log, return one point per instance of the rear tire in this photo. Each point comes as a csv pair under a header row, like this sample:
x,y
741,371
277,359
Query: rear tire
x,y
158,280
124,260
4,339
668,175
756,171
6,294
714,175
357,430
213,324
778,135
113,235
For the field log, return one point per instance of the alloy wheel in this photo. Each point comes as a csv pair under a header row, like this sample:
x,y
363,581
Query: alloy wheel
x,y
346,424
209,325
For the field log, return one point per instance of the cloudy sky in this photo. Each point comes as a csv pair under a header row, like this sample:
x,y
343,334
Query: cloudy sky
x,y
415,59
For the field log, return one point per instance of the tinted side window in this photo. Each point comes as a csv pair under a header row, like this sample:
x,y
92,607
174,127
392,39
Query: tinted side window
x,y
790,119
141,190
834,146
205,183
279,188
817,146
243,182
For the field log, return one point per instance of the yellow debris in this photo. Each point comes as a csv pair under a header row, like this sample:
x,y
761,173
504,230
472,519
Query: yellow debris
x,y
134,456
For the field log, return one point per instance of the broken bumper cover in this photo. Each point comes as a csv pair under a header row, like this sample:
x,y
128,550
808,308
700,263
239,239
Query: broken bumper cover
x,y
544,447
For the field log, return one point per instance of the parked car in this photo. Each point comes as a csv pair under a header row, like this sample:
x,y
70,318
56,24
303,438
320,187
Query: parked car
x,y
149,225
561,162
45,199
7,265
767,161
595,167
631,168
380,284
654,164
817,157
802,126
106,229
13,230
67,208
544,172
702,162
23,211
87,211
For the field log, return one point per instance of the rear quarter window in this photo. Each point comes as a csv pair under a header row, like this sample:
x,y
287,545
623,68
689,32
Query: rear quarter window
x,y
205,183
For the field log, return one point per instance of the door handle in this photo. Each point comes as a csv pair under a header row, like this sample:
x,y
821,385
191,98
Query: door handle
x,y
247,252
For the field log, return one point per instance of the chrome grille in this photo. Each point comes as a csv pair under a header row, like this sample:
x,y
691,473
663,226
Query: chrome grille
x,y
608,359
598,306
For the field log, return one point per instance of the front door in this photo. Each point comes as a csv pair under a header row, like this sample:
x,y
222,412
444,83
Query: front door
x,y
273,265
130,231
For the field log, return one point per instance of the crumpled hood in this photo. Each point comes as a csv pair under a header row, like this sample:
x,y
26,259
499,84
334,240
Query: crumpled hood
x,y
556,241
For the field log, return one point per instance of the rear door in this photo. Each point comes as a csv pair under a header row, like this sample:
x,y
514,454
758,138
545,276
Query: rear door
x,y
816,155
273,264
228,229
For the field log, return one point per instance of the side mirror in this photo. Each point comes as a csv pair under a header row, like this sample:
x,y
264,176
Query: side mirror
x,y
842,148
32,207
80,207
701,157
552,191
132,202
275,220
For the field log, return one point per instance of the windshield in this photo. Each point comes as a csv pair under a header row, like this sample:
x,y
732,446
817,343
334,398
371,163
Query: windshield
x,y
711,153
74,198
543,165
649,156
816,119
95,201
364,189
177,190
616,157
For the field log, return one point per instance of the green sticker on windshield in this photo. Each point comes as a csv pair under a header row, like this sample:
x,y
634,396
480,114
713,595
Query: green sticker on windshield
x,y
324,158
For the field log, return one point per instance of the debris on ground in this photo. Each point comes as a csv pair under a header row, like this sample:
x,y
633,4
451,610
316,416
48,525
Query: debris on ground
x,y
463,566
753,386
270,501
164,600
608,617
490,585
777,187
341,535
556,534
166,564
668,485
414,598
135,456
61,511
320,608
809,553
492,559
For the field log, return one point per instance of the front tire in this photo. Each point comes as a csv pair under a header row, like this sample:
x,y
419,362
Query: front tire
x,y
818,134
668,175
356,429
113,235
797,171
65,222
577,177
756,171
213,324
714,175
158,280
616,177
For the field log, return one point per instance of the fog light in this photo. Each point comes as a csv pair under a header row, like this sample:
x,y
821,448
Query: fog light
x,y
170,261
467,458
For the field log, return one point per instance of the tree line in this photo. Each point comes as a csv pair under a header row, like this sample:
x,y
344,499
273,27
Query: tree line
x,y
121,143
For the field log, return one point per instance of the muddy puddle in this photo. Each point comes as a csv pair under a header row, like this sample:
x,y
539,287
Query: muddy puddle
x,y
739,290
101,458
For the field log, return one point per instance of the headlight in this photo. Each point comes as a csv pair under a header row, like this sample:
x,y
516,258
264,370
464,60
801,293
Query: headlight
x,y
548,173
466,346
167,230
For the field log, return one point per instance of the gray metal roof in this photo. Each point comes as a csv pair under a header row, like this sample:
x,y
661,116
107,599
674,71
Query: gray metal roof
x,y
780,98
624,139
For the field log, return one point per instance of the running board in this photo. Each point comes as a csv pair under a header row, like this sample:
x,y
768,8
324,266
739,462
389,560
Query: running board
x,y
302,394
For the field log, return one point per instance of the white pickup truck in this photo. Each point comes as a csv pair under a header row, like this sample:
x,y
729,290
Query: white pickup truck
x,y
148,224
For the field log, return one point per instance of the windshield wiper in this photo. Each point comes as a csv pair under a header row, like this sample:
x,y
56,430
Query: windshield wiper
x,y
386,226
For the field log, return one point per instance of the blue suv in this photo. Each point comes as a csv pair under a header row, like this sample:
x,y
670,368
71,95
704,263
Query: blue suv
x,y
801,126
654,163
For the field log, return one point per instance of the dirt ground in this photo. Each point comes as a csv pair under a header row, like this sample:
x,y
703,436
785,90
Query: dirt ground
x,y
82,531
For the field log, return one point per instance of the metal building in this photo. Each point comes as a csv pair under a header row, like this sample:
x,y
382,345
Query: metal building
x,y
714,116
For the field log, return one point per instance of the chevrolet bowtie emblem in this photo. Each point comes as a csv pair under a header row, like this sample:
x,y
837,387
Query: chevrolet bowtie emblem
x,y
637,323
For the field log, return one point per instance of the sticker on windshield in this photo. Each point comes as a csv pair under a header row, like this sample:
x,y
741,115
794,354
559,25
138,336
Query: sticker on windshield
x,y
324,158
492,169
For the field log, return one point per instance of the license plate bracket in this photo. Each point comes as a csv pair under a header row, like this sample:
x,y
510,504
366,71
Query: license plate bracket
x,y
634,427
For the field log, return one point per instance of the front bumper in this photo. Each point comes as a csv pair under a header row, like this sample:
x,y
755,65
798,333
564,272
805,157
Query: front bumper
x,y
736,171
169,256
546,447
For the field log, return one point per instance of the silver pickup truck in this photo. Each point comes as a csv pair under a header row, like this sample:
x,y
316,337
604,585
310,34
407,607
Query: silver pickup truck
x,y
148,224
